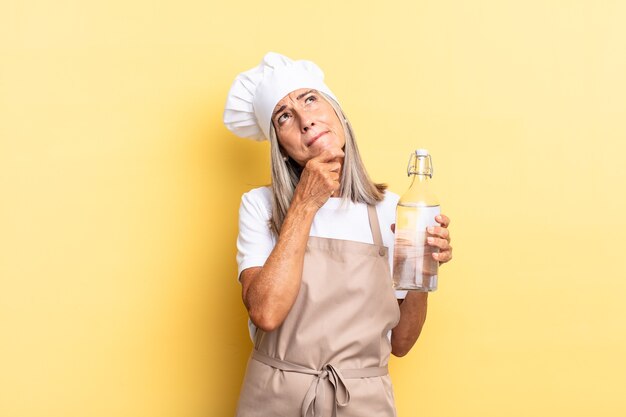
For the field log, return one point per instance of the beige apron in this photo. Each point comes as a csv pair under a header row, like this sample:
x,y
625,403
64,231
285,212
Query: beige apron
x,y
329,357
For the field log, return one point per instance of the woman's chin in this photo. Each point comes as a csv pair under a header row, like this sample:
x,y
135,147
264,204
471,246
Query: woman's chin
x,y
327,141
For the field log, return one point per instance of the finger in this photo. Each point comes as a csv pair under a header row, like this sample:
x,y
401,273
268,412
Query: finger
x,y
443,220
314,165
444,256
329,166
440,232
329,155
333,177
442,244
333,166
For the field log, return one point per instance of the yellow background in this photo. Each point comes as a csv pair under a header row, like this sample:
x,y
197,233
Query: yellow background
x,y
120,187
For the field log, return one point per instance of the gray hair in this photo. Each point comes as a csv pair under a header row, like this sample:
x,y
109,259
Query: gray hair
x,y
355,184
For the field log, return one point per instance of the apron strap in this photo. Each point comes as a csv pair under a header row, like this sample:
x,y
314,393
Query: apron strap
x,y
314,397
374,225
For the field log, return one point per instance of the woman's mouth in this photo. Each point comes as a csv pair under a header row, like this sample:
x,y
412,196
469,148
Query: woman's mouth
x,y
315,138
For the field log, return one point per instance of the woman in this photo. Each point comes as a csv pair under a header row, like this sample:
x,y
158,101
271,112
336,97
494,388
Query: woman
x,y
313,255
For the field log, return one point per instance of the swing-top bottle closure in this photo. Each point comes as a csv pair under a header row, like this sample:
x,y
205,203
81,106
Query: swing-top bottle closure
x,y
412,167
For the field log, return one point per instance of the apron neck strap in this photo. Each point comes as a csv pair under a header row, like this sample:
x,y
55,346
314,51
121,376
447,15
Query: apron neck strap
x,y
374,225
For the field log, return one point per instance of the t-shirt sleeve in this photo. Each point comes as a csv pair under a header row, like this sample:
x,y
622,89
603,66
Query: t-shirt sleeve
x,y
401,295
255,240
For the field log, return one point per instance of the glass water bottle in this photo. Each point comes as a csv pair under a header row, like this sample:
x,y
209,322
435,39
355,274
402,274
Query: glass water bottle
x,y
414,267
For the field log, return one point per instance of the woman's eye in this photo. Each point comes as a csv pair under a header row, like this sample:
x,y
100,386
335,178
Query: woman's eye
x,y
310,98
282,117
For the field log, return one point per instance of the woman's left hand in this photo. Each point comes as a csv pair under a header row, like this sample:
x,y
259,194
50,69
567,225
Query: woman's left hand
x,y
439,237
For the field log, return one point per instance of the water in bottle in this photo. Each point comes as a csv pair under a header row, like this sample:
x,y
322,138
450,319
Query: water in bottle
x,y
414,267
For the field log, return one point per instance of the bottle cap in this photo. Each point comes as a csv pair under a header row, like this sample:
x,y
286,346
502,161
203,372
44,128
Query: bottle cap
x,y
421,152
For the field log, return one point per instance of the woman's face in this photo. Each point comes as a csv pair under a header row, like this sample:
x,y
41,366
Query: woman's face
x,y
306,124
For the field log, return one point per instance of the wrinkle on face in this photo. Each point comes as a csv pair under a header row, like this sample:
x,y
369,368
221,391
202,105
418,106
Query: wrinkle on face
x,y
306,124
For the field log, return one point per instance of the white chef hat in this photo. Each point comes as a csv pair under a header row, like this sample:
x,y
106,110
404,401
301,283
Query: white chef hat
x,y
255,93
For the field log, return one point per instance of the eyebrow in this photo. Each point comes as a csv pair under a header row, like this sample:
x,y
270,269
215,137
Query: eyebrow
x,y
297,98
304,94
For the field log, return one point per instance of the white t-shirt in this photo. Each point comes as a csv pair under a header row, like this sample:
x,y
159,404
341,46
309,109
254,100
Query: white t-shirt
x,y
336,219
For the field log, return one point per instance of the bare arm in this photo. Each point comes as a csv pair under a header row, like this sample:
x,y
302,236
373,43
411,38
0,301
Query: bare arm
x,y
412,317
270,291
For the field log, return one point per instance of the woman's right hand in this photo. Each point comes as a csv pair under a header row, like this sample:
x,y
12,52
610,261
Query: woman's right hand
x,y
319,179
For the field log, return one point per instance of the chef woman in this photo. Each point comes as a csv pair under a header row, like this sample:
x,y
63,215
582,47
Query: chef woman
x,y
314,253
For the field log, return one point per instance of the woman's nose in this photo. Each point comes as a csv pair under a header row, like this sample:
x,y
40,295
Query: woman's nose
x,y
307,124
